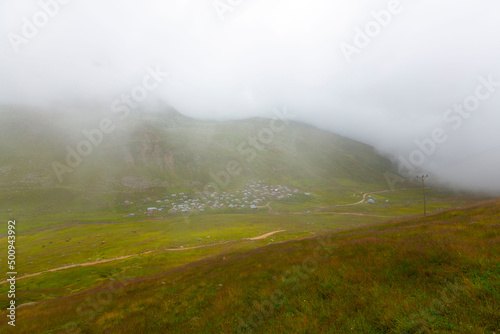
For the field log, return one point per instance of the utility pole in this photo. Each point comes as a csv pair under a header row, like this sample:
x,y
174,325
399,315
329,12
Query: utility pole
x,y
422,178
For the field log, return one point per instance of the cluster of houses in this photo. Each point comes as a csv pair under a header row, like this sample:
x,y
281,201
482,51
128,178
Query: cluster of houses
x,y
255,194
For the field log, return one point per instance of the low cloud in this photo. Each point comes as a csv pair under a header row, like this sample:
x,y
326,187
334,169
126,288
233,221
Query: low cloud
x,y
412,62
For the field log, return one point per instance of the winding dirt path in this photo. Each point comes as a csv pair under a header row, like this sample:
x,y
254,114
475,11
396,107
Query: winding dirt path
x,y
260,237
91,263
271,210
360,202
350,204
85,264
361,214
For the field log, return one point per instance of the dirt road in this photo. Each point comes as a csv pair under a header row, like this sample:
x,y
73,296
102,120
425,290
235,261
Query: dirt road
x,y
85,264
260,237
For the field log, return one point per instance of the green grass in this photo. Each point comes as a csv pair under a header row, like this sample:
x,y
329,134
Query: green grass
x,y
424,275
62,245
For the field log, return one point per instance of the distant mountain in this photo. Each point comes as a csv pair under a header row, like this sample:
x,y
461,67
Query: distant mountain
x,y
110,152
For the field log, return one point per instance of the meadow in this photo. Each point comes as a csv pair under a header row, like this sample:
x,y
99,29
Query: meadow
x,y
410,275
67,260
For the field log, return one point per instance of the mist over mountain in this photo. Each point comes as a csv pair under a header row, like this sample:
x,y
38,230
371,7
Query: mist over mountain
x,y
165,148
418,81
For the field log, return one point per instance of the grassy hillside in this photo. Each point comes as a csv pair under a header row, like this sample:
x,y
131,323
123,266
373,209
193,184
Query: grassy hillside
x,y
431,274
164,152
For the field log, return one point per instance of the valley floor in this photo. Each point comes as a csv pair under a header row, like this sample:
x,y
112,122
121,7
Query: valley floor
x,y
290,267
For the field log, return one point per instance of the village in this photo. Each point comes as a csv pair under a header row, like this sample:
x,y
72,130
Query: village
x,y
253,196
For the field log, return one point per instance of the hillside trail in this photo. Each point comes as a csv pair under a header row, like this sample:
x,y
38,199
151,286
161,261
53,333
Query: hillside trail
x,y
85,264
90,263
352,204
358,203
260,237
318,208
271,210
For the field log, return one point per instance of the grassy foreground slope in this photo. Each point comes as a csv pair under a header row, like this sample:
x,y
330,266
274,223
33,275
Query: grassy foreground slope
x,y
431,274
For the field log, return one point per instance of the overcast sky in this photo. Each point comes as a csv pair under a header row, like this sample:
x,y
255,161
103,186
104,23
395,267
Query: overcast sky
x,y
387,73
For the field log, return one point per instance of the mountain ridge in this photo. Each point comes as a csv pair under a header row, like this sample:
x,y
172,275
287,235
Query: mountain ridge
x,y
172,146
48,159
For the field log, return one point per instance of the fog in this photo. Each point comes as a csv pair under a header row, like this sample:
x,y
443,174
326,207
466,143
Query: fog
x,y
418,80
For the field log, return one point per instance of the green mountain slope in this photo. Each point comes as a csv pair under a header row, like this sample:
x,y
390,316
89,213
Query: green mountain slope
x,y
82,157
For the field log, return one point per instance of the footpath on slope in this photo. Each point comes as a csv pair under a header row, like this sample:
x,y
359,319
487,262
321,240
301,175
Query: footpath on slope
x,y
85,264
260,237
